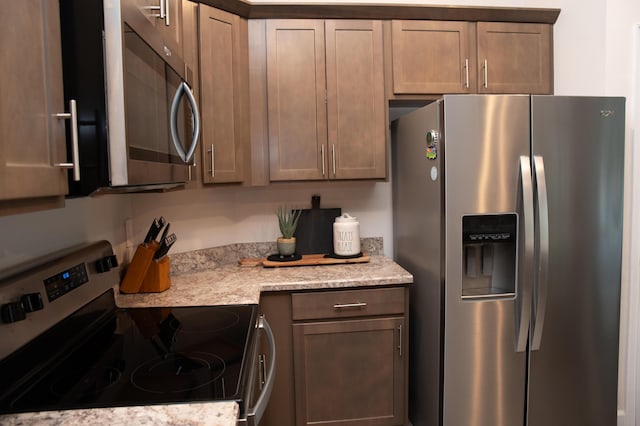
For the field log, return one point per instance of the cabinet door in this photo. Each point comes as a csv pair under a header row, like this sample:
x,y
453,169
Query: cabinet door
x,y
171,27
355,100
349,372
190,56
167,21
514,58
432,57
296,104
32,139
221,105
276,306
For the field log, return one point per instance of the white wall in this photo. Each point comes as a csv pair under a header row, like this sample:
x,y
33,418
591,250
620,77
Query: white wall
x,y
593,55
229,214
29,235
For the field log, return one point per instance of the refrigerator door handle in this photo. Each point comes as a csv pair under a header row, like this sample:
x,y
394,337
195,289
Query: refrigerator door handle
x,y
541,274
525,257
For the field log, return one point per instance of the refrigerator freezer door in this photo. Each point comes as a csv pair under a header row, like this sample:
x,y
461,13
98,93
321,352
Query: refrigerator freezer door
x,y
573,376
484,375
418,244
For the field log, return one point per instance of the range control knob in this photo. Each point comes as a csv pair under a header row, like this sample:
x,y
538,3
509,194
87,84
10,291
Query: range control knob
x,y
32,302
12,312
106,263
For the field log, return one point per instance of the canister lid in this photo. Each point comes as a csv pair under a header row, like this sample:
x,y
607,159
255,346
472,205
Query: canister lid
x,y
346,217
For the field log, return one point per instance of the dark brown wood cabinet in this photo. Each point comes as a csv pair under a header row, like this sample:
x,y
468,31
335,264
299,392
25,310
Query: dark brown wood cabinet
x,y
190,56
32,137
223,94
514,58
432,57
436,57
341,357
166,17
325,99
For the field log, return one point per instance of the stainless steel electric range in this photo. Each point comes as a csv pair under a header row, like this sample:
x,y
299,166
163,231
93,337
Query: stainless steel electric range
x,y
64,344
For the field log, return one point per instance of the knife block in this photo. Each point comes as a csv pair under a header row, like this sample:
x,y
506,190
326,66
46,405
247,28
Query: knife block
x,y
157,278
137,270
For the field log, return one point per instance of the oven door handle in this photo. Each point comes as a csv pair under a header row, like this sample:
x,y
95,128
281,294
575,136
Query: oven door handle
x,y
184,89
255,413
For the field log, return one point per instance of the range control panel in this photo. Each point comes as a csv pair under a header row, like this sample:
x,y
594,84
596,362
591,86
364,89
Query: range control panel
x,y
65,281
36,295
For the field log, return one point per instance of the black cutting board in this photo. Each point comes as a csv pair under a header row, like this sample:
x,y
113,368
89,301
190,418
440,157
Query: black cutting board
x,y
314,234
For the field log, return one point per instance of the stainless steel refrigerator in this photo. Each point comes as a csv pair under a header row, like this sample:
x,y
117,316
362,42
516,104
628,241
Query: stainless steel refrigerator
x,y
507,210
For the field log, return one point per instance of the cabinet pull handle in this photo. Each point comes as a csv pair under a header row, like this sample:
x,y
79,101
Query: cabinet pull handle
x,y
160,8
322,155
400,339
466,73
486,79
349,305
212,170
333,156
75,156
166,13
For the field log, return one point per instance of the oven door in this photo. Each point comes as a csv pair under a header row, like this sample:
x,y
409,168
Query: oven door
x,y
261,377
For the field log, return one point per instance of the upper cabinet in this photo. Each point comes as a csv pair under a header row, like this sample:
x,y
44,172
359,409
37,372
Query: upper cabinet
x,y
224,94
514,58
356,107
166,16
432,57
325,99
190,56
32,142
436,57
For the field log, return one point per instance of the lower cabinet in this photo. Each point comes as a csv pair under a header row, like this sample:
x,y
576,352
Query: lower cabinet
x,y
341,357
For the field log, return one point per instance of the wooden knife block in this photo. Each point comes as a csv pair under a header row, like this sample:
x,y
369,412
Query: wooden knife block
x,y
145,275
157,278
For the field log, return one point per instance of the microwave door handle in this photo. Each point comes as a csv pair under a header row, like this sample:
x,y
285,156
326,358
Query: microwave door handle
x,y
173,122
196,120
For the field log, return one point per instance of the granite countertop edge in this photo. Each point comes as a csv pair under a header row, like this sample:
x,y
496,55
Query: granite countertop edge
x,y
223,413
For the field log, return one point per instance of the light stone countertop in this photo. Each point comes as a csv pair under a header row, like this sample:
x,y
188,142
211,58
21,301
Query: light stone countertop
x,y
196,414
213,277
233,284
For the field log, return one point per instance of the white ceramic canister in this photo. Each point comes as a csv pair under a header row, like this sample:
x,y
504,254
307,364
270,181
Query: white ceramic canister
x,y
346,235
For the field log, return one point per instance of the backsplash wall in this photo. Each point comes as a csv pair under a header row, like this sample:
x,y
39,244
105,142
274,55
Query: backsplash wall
x,y
26,236
201,218
218,216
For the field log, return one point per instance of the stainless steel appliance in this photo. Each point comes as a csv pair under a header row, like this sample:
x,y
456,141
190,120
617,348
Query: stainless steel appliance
x,y
64,344
134,120
508,211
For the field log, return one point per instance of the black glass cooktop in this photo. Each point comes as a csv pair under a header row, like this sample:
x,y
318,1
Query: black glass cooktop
x,y
103,356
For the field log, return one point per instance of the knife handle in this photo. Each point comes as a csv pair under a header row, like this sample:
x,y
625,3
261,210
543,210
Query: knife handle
x,y
137,270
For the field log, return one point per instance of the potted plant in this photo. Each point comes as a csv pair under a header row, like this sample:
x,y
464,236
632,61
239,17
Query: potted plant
x,y
288,221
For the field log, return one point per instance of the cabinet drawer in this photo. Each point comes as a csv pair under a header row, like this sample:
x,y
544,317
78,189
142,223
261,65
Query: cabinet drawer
x,y
348,303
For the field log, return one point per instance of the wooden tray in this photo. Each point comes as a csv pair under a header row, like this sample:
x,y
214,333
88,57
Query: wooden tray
x,y
307,260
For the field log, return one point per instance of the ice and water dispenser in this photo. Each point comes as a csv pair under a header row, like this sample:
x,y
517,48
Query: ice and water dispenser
x,y
489,258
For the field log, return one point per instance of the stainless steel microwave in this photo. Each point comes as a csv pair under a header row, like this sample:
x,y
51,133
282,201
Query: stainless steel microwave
x,y
134,122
